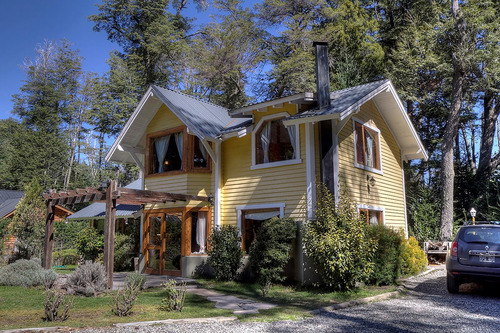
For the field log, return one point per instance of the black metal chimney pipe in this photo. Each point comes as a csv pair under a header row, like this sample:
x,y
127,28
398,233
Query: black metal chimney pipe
x,y
322,75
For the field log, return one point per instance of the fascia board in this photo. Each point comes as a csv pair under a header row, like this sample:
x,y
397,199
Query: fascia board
x,y
262,105
128,124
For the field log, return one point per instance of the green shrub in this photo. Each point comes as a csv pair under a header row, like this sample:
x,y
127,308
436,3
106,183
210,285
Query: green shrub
x,y
57,305
224,253
123,253
270,251
413,258
88,279
176,294
135,280
125,300
27,273
423,221
65,257
65,234
89,243
338,243
387,259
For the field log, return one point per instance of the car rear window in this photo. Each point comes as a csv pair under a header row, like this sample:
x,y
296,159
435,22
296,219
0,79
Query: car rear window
x,y
482,234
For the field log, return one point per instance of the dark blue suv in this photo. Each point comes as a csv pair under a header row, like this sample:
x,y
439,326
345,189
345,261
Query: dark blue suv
x,y
474,255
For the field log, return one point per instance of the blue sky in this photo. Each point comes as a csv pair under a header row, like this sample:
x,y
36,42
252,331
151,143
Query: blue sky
x,y
26,23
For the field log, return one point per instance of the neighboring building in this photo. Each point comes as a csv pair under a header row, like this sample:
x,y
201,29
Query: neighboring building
x,y
8,202
264,160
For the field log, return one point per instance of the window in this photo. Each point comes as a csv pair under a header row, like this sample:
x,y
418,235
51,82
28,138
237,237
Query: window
x,y
252,222
367,147
371,216
175,151
273,143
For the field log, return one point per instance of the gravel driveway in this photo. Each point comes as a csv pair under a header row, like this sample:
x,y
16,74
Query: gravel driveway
x,y
427,307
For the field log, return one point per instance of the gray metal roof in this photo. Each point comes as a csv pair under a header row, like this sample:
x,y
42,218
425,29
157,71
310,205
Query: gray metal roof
x,y
8,201
203,118
345,100
98,209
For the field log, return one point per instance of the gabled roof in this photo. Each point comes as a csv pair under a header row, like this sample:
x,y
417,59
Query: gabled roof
x,y
8,201
98,209
347,102
203,119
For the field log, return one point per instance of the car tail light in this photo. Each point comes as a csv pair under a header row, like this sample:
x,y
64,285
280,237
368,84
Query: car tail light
x,y
454,249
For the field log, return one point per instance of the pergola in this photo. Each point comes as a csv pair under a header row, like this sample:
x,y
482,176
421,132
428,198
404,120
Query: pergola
x,y
111,194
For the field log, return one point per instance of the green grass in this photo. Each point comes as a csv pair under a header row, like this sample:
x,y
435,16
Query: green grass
x,y
67,269
293,302
23,308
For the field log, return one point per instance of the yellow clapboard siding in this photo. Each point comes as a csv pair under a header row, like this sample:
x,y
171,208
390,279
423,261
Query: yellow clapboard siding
x,y
243,186
163,120
388,191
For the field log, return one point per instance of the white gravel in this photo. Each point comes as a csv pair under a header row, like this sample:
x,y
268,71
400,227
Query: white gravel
x,y
427,307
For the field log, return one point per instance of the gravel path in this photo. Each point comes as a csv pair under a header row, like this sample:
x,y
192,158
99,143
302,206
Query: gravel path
x,y
426,307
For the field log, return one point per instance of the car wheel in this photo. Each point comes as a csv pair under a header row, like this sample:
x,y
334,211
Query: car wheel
x,y
452,284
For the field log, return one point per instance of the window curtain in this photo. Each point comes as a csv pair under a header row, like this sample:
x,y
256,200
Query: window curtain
x,y
201,231
178,143
265,138
373,218
293,138
369,149
161,145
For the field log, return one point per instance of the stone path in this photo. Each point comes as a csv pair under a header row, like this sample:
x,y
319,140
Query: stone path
x,y
236,304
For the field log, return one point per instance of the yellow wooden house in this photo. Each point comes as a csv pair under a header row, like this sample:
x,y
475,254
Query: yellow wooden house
x,y
264,160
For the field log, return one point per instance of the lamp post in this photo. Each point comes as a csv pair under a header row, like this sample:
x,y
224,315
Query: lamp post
x,y
473,214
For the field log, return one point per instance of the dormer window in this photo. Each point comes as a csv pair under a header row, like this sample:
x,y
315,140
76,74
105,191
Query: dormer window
x,y
174,151
273,143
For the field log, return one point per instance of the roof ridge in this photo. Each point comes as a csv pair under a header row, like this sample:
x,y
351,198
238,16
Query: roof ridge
x,y
190,96
361,85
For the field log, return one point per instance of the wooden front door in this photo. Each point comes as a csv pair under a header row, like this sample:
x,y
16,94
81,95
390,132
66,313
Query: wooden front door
x,y
162,242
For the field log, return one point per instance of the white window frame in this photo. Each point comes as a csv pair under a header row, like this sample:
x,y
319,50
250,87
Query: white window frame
x,y
297,158
239,209
362,166
375,208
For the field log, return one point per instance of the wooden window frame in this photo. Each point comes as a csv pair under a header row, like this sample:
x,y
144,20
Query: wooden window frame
x,y
187,154
380,211
378,151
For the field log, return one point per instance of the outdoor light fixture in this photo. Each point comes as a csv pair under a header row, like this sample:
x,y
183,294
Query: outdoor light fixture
x,y
105,184
370,180
473,214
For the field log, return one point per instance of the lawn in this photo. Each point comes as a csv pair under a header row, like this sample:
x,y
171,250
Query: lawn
x,y
293,302
23,307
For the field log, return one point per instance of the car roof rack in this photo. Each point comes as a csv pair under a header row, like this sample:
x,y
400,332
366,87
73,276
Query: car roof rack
x,y
481,222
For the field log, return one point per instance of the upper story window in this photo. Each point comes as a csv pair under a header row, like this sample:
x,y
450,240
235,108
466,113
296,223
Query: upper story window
x,y
175,151
367,147
273,143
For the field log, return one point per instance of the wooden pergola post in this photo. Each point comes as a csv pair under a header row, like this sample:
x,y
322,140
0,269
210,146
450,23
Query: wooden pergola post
x,y
109,231
49,235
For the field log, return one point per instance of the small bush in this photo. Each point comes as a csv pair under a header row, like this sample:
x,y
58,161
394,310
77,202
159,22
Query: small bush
x,y
338,243
135,280
176,293
224,253
270,251
89,279
57,305
65,257
122,255
89,243
27,273
413,258
124,300
387,258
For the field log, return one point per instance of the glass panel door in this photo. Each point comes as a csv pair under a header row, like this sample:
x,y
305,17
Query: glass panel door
x,y
172,249
153,243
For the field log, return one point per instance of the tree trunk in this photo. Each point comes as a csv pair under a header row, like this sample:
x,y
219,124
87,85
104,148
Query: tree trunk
x,y
489,120
451,129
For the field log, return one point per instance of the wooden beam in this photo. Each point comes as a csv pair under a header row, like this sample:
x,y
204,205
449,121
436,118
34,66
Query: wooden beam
x,y
109,232
49,236
141,195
